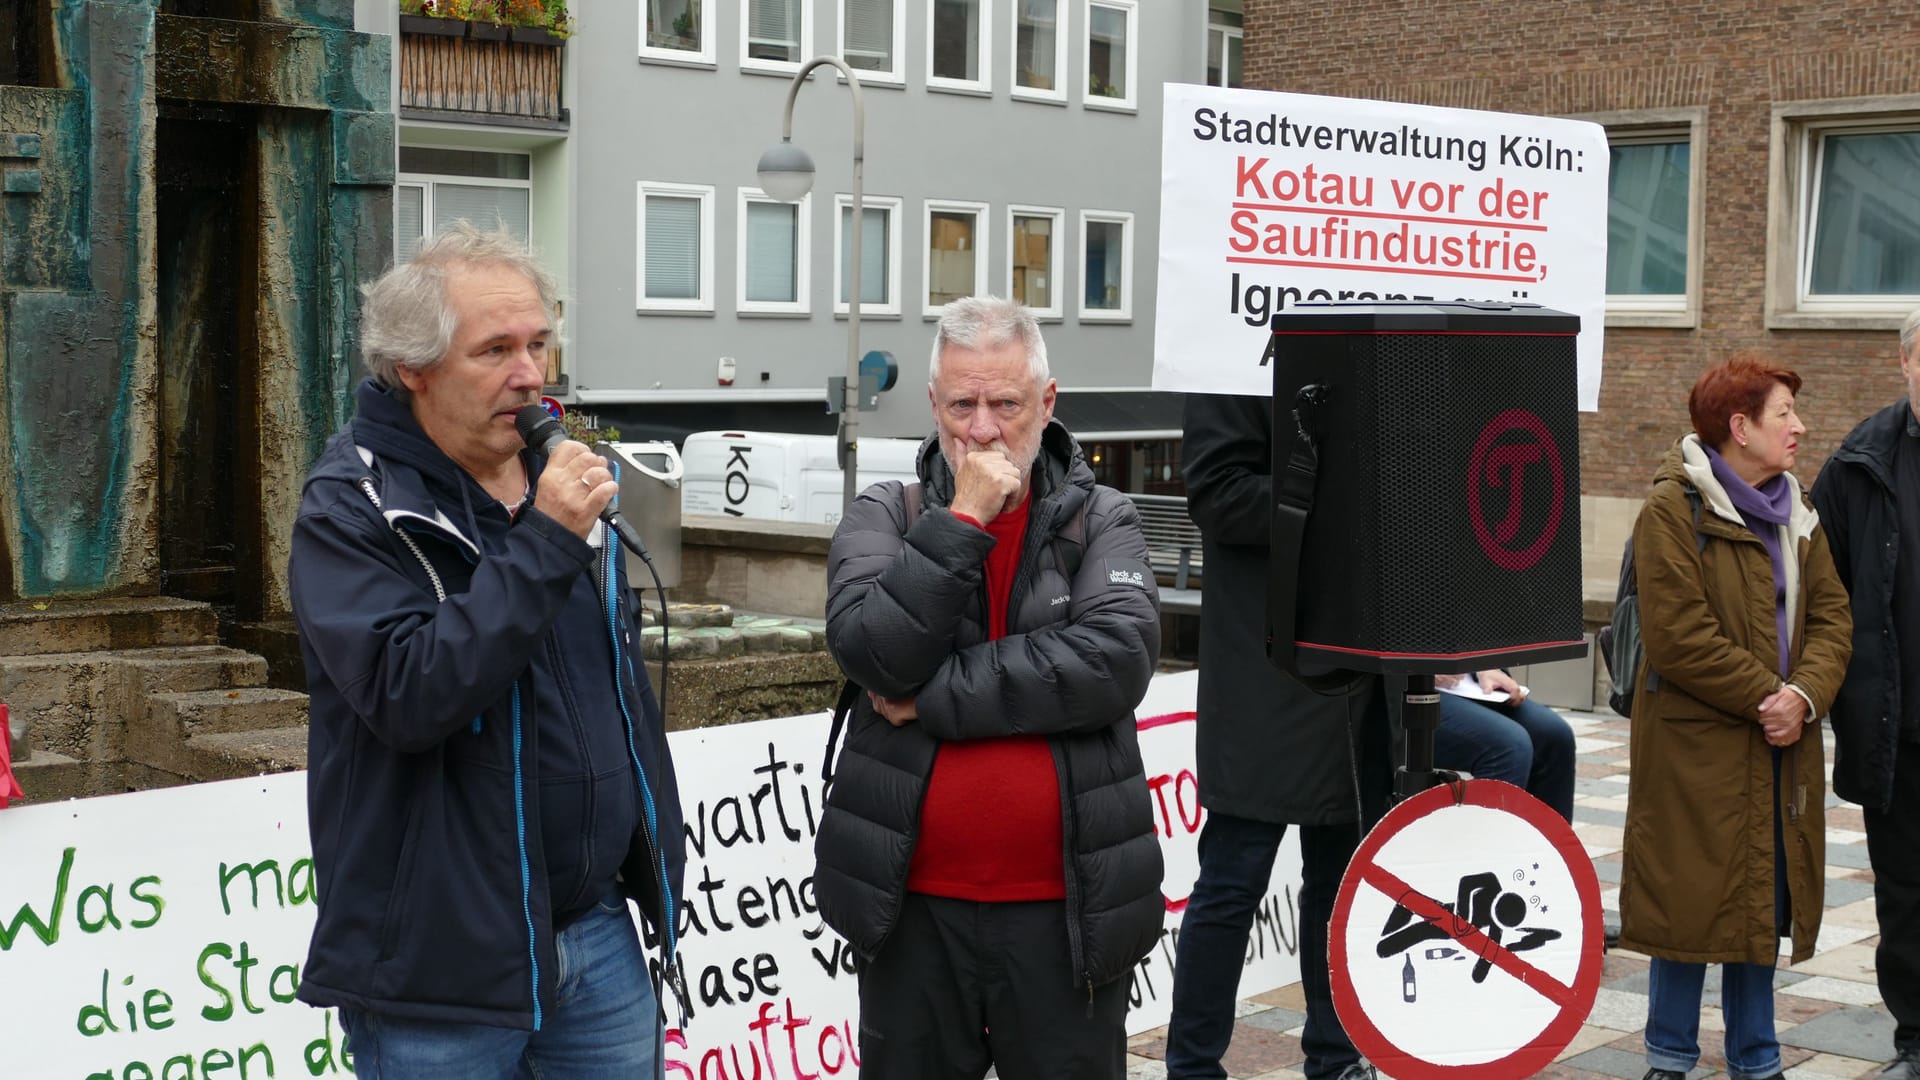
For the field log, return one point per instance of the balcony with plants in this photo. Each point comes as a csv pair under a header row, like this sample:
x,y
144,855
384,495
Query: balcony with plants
x,y
484,61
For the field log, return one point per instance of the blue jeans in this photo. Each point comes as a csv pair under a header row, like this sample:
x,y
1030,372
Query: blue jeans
x,y
1236,861
1673,1017
1527,745
603,1023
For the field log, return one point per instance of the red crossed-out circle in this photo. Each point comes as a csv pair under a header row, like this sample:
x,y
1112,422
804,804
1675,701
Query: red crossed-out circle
x,y
1505,557
1575,1000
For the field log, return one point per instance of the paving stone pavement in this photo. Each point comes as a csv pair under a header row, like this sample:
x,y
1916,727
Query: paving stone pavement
x,y
1831,1022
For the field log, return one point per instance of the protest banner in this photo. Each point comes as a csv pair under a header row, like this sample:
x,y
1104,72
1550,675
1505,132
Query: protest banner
x,y
160,935
1269,199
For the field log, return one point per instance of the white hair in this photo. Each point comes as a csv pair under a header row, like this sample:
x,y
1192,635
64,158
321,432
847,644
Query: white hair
x,y
408,320
1910,332
988,322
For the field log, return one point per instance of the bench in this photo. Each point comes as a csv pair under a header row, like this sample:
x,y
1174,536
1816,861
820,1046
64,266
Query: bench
x,y
1173,548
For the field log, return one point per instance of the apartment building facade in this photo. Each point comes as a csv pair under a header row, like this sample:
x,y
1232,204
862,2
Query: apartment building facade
x,y
1010,147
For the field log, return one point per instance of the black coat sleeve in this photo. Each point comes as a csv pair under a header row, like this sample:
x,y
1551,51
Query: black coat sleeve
x,y
895,596
1228,466
1077,676
415,669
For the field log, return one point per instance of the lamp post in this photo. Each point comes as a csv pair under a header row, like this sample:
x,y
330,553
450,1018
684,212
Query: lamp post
x,y
786,173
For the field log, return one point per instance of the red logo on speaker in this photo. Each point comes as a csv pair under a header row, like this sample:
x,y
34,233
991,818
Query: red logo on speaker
x,y
1511,447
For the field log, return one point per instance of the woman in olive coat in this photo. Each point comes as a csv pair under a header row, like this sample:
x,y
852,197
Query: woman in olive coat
x,y
1747,635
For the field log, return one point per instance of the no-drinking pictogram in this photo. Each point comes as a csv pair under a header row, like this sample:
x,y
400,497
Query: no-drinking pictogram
x,y
1465,941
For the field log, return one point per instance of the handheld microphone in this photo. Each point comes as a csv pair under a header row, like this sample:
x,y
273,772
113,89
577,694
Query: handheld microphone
x,y
541,432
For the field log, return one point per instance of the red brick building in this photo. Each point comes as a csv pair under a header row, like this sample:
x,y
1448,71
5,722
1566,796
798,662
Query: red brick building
x,y
1765,182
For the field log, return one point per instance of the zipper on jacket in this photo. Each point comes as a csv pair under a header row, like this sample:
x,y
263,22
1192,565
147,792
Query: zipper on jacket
x,y
526,869
669,913
439,590
1039,526
1076,948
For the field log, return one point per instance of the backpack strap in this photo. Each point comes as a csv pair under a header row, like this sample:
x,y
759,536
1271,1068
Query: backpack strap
x,y
1294,494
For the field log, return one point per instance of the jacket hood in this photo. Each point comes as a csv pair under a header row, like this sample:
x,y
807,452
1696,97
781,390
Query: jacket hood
x,y
1686,464
385,425
1060,472
430,486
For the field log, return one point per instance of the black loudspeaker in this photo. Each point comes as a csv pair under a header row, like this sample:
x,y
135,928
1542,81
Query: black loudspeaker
x,y
1444,528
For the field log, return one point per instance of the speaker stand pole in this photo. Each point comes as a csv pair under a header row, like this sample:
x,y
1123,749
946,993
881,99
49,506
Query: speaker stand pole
x,y
1419,719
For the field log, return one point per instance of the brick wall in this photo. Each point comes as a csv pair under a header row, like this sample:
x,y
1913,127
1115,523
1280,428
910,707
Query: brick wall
x,y
1736,58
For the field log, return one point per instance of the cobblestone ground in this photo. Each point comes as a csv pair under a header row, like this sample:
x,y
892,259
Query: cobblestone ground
x,y
1828,1011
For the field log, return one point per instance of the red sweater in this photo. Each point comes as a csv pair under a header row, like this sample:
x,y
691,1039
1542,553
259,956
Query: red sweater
x,y
990,827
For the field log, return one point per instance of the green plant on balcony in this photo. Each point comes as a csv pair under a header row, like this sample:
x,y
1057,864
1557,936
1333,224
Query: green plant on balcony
x,y
549,15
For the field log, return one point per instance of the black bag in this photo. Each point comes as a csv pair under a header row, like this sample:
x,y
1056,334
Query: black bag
x,y
1620,645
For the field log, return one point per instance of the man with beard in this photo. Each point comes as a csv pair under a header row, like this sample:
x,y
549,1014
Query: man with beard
x,y
488,782
988,848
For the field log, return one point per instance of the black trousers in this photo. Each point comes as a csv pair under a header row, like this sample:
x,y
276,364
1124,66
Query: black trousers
x,y
1893,847
961,986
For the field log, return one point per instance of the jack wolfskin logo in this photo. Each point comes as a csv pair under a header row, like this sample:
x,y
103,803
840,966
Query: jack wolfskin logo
x,y
1127,577
1061,599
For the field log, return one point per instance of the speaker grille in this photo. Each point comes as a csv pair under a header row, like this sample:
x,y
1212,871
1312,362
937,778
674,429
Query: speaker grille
x,y
1421,428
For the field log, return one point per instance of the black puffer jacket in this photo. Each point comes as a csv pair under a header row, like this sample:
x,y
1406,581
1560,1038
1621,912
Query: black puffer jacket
x,y
1854,496
907,616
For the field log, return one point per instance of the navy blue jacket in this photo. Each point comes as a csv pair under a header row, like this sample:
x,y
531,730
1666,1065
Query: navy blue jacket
x,y
485,755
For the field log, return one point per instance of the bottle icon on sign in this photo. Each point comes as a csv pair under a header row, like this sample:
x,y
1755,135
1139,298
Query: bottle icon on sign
x,y
1407,993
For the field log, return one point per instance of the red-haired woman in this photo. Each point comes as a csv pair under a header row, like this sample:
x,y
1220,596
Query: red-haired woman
x,y
1747,635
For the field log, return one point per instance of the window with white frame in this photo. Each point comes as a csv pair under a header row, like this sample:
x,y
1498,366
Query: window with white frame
x,y
955,264
675,258
1106,265
871,36
1225,42
1654,192
679,30
1040,49
438,186
776,35
1033,263
1112,53
1846,251
958,46
771,261
879,255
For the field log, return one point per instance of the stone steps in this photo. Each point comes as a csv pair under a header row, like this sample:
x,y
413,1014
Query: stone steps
x,y
219,734
67,626
50,777
135,693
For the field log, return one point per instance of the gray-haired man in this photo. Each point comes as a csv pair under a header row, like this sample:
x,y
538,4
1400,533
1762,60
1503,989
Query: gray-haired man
x,y
488,780
988,848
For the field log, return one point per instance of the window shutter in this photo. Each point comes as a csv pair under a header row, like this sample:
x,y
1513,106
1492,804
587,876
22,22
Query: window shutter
x,y
673,248
409,200
873,254
486,208
774,21
869,42
771,254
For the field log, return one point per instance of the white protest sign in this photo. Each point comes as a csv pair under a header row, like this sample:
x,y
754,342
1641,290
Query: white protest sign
x,y
160,935
1466,937
1268,199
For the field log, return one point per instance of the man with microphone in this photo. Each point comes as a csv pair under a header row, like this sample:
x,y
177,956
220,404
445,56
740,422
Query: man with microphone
x,y
489,782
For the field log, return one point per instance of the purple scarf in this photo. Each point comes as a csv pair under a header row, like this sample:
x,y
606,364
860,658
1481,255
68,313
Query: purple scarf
x,y
1764,509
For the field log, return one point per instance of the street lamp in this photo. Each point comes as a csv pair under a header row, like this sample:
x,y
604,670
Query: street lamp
x,y
786,173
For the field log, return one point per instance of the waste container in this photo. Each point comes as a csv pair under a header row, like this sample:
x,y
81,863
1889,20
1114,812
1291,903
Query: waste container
x,y
649,499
